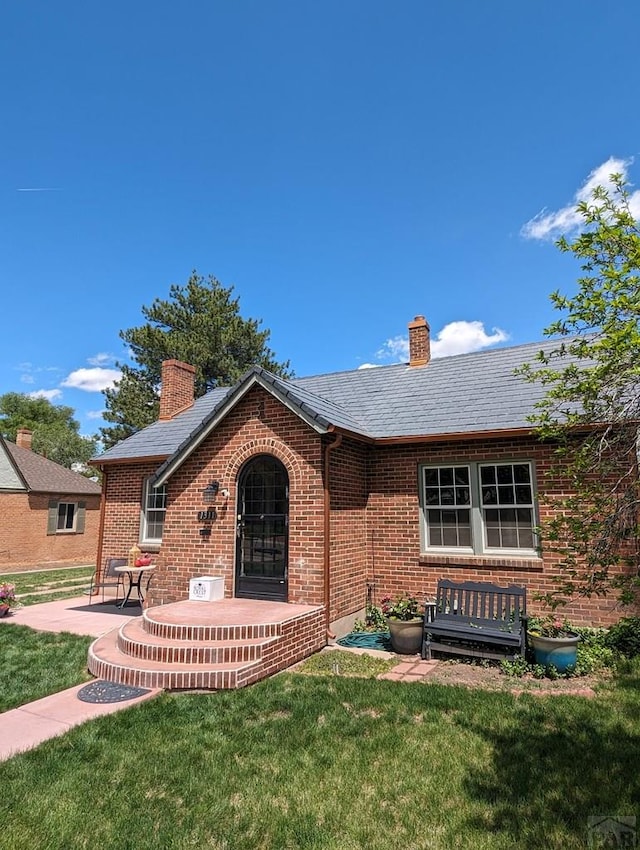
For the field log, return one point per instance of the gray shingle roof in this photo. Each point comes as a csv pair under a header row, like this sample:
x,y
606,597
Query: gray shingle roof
x,y
42,475
462,394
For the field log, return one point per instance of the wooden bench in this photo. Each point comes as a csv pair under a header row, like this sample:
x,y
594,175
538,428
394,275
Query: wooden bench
x,y
477,619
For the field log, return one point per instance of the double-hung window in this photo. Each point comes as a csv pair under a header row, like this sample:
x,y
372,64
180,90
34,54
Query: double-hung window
x,y
479,508
154,508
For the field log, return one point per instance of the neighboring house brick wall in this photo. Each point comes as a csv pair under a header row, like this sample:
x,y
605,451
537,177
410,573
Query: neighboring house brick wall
x,y
23,531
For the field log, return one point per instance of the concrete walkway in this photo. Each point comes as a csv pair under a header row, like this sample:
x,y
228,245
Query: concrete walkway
x,y
29,725
72,615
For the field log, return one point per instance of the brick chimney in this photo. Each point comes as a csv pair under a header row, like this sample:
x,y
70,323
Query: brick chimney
x,y
24,436
419,342
177,388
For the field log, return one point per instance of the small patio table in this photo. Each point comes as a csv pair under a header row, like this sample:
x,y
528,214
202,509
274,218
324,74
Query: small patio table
x,y
135,580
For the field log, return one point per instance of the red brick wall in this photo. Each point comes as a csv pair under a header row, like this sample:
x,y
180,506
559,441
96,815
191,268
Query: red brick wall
x,y
348,477
123,488
257,425
375,517
393,519
23,532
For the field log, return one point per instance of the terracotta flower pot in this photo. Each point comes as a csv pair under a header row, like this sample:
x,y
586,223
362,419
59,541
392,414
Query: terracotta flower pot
x,y
558,652
406,635
4,610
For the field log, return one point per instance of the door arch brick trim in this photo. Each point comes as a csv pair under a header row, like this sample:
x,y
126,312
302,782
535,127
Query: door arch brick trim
x,y
263,446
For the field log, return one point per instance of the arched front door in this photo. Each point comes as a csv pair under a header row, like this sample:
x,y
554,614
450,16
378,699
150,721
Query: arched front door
x,y
262,530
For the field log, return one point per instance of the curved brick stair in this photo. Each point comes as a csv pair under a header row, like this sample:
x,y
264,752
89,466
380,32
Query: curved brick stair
x,y
224,644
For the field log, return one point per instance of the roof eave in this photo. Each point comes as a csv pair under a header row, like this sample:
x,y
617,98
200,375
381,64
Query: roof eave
x,y
456,436
127,461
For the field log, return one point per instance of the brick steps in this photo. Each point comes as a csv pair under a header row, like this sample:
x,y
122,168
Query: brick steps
x,y
134,640
207,646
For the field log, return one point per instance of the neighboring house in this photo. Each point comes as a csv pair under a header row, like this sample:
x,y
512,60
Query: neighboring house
x,y
48,514
340,488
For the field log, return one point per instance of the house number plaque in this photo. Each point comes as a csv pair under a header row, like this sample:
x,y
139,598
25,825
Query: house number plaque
x,y
209,515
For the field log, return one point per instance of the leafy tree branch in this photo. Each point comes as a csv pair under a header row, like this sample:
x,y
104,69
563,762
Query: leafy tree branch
x,y
591,409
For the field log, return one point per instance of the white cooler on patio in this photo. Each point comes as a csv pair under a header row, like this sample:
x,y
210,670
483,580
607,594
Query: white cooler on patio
x,y
206,588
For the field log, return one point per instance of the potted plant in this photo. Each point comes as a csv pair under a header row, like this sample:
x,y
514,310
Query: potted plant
x,y
7,598
554,642
404,616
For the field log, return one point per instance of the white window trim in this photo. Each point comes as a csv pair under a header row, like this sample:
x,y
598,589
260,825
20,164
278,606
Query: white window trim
x,y
478,529
149,541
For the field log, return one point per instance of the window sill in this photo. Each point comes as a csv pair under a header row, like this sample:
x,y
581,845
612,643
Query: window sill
x,y
482,562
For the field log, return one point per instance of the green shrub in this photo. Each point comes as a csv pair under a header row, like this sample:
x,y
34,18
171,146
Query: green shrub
x,y
594,652
516,668
375,621
624,637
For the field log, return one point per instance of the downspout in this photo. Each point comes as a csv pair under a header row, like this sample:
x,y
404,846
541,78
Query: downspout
x,y
103,504
327,531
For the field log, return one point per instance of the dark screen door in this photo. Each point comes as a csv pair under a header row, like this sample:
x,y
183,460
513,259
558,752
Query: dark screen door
x,y
262,530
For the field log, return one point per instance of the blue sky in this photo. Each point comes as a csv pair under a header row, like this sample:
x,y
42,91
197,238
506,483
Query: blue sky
x,y
344,165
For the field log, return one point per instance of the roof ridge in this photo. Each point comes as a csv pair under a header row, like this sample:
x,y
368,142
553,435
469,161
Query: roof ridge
x,y
405,363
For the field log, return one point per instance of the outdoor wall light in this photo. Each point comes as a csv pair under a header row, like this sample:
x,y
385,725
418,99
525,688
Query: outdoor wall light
x,y
210,492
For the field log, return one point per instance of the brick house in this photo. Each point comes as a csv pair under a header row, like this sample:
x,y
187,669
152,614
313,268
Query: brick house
x,y
335,489
48,514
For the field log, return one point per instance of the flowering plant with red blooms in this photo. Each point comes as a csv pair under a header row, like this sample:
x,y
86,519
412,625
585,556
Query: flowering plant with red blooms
x,y
551,626
402,608
8,594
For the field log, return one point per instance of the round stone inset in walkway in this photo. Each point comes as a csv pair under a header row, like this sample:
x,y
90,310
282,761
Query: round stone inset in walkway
x,y
103,691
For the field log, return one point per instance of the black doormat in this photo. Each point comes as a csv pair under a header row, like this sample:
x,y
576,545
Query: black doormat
x,y
103,691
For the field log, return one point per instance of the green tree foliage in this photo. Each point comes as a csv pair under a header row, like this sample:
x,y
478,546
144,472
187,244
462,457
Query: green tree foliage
x,y
591,378
55,431
199,324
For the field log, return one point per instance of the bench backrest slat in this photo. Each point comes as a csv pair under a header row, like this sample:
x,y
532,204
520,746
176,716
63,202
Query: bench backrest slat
x,y
481,601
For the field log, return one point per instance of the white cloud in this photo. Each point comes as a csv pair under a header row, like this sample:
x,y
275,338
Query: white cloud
x,y
464,337
551,225
396,348
455,338
101,359
94,414
50,395
91,380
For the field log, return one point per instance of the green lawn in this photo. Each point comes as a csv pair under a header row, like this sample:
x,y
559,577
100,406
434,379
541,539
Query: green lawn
x,y
47,585
331,763
35,664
